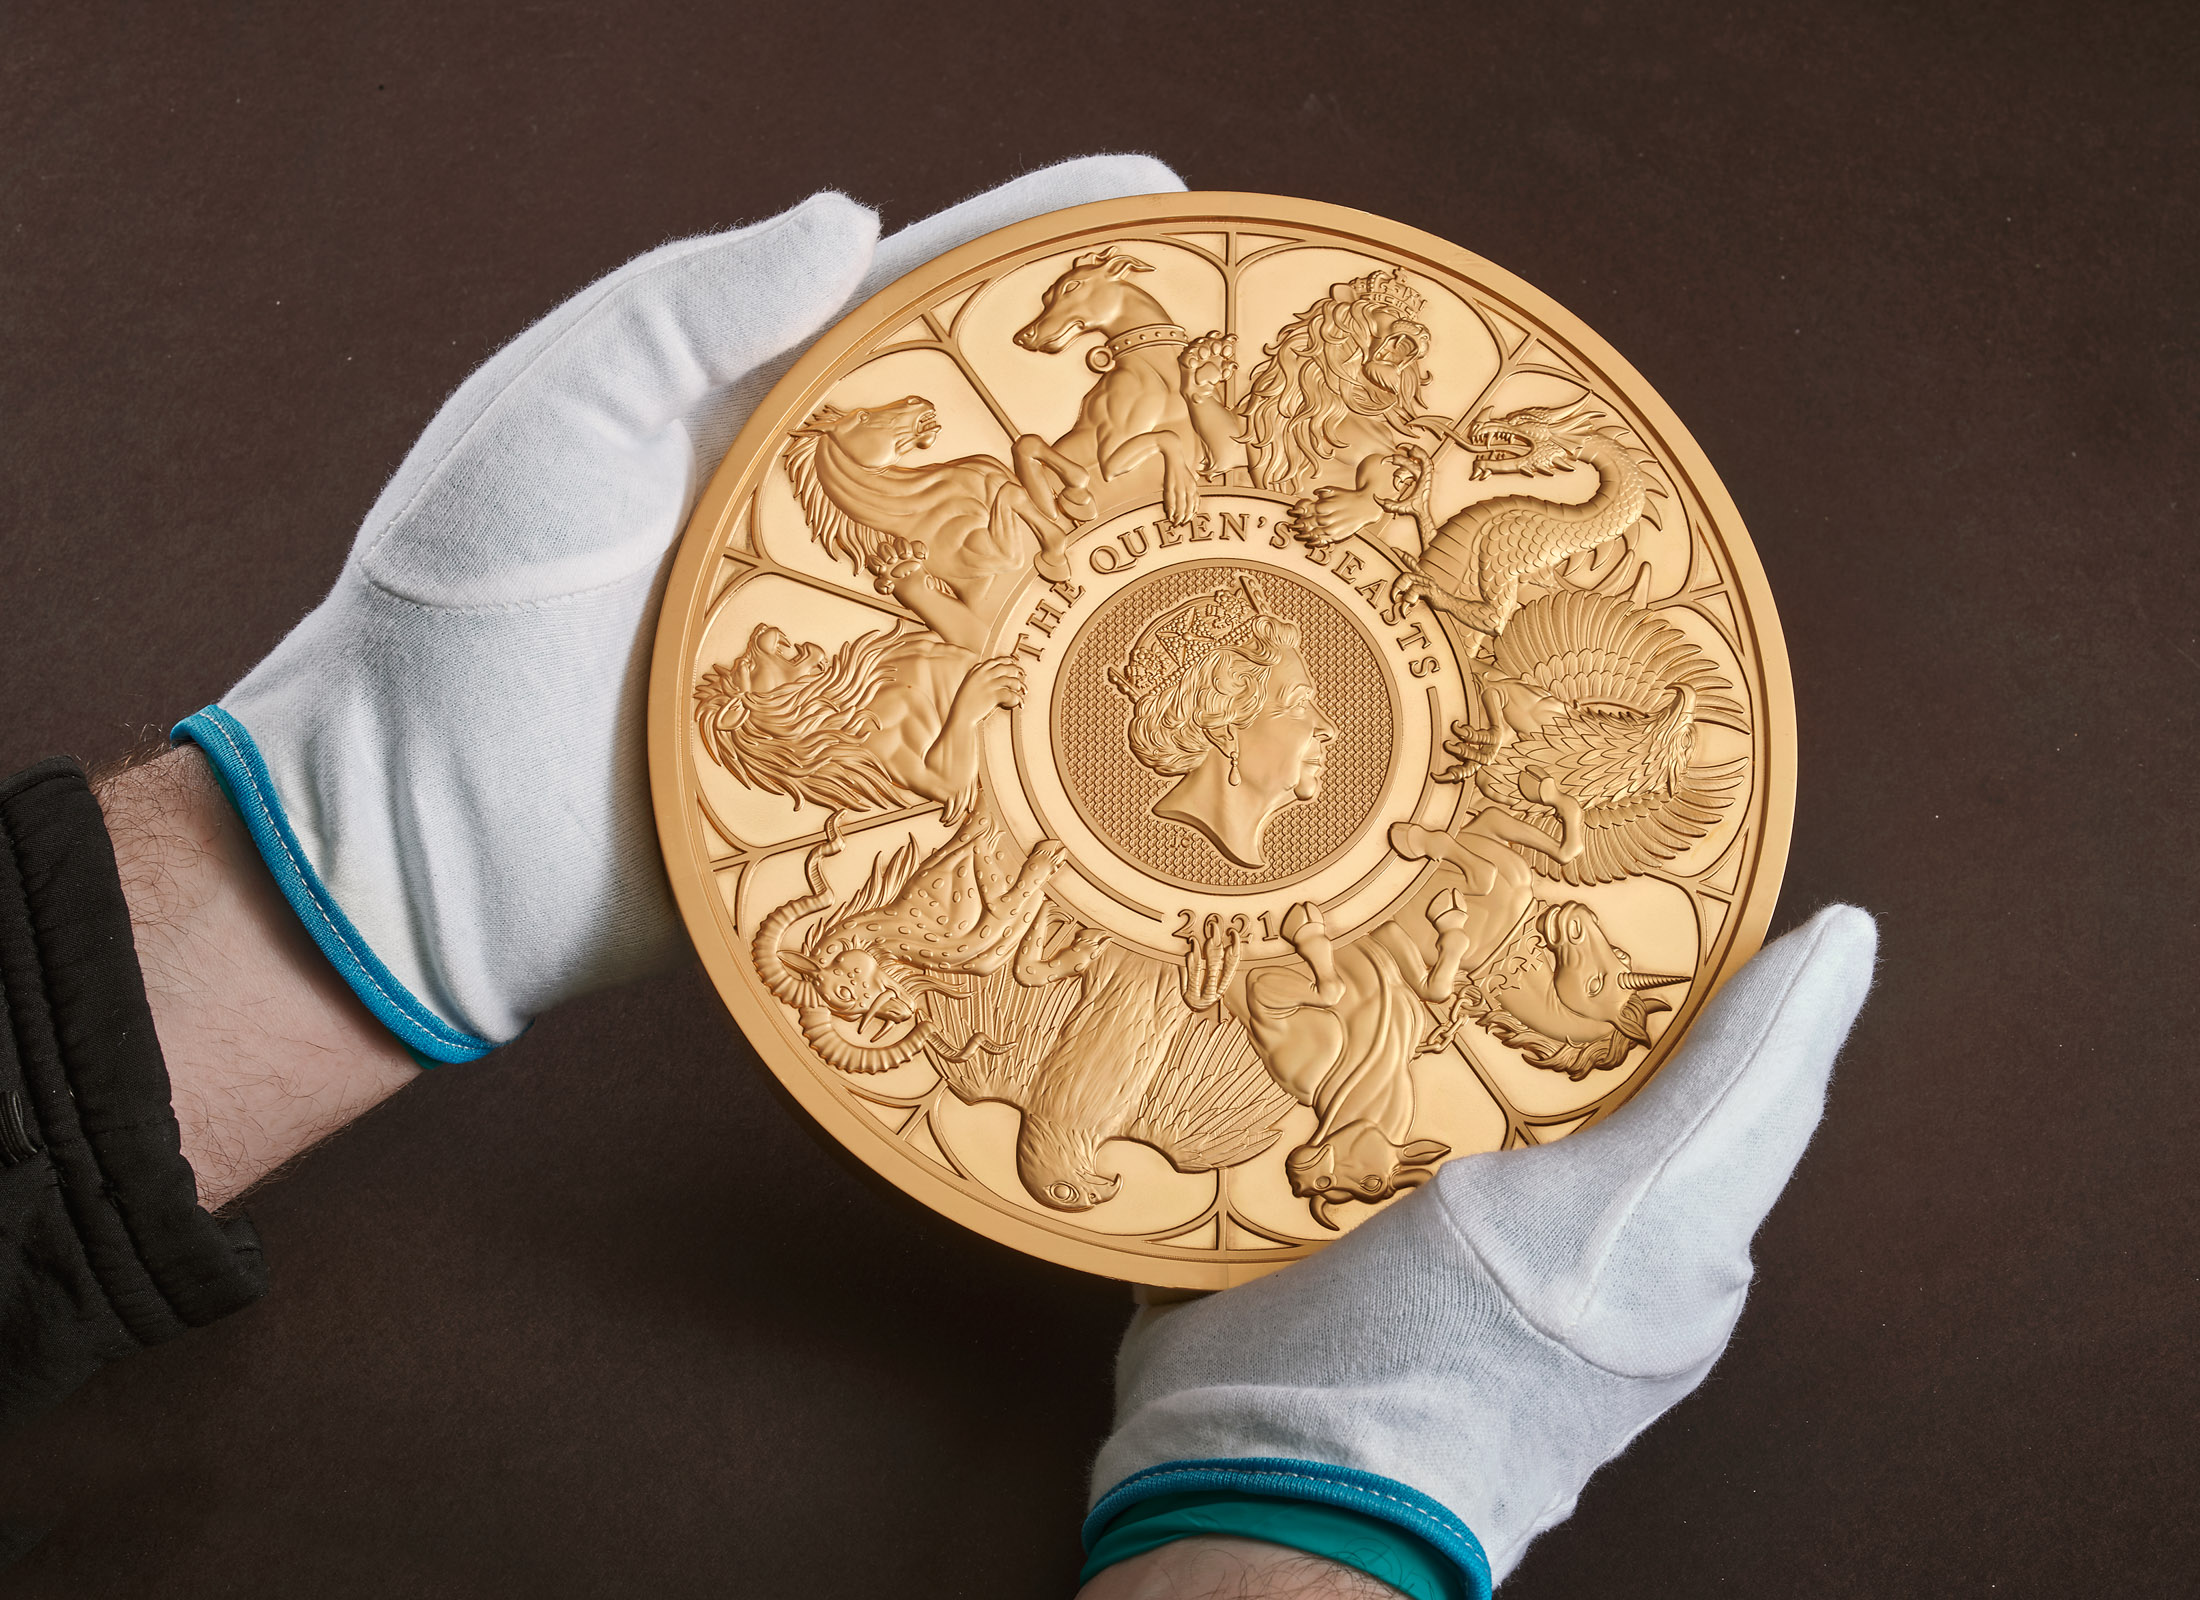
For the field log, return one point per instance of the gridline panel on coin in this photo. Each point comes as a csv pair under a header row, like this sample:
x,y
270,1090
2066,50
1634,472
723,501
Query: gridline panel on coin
x,y
1164,800
1115,794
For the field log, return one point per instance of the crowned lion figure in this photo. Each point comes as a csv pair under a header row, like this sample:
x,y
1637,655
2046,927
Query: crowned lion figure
x,y
1342,382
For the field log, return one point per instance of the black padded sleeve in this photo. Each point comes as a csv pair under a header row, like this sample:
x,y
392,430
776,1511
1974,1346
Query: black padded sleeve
x,y
103,1246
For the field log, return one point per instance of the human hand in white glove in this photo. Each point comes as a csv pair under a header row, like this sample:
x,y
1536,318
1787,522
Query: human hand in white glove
x,y
1461,1363
445,764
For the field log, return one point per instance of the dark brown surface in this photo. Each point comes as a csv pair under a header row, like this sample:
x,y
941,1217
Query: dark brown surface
x,y
1922,286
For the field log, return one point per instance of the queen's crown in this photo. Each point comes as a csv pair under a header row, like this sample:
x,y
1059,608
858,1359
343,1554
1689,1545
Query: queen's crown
x,y
1188,635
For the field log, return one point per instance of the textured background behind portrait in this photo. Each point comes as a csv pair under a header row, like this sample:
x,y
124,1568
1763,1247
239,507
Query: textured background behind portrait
x,y
1918,278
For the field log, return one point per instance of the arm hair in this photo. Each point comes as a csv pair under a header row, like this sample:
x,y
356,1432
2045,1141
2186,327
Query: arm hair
x,y
1233,1569
268,1050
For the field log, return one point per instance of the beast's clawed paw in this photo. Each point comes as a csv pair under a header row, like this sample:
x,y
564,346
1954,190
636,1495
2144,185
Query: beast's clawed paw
x,y
1472,746
1334,515
1208,363
1406,591
1408,466
1212,962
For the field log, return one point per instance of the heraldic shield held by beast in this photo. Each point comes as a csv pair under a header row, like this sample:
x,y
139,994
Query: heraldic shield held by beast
x,y
1182,717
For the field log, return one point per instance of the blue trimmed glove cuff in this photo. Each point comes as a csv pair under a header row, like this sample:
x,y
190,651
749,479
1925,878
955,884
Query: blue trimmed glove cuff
x,y
1388,1530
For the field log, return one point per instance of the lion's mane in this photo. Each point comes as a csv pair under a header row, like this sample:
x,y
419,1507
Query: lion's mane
x,y
1310,382
804,739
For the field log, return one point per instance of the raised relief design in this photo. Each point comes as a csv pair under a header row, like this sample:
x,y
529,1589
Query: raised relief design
x,y
950,540
891,718
915,928
1261,837
1545,979
1340,389
1340,1036
1221,726
1222,701
1605,699
1157,399
1472,566
1127,1059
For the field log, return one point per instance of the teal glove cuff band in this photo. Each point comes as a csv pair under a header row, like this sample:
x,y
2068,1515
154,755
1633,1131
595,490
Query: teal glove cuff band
x,y
243,775
1381,1550
1413,1539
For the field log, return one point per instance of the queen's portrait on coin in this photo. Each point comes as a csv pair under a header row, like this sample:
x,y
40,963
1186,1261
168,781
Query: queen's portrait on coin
x,y
1222,701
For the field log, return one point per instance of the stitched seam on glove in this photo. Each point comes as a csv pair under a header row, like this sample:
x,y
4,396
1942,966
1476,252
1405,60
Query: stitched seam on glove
x,y
1553,1341
1164,1473
505,608
1453,1537
235,757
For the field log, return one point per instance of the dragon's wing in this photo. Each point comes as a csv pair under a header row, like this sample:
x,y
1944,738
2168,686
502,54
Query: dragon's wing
x,y
1627,839
1595,650
1212,1104
1605,761
989,1042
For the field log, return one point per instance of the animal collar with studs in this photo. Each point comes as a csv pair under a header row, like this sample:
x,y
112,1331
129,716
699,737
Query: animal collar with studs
x,y
1105,356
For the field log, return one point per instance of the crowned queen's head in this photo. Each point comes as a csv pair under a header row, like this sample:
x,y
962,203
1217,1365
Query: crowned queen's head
x,y
1222,701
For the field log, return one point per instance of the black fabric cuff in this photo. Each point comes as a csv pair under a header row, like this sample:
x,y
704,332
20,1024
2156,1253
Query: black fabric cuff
x,y
103,1246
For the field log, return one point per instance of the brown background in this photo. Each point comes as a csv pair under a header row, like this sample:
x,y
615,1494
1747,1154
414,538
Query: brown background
x,y
1919,278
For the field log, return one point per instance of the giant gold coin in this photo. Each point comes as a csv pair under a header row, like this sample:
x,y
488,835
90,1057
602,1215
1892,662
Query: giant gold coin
x,y
1183,715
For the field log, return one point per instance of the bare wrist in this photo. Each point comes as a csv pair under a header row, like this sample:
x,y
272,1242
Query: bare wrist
x,y
268,1051
1232,1569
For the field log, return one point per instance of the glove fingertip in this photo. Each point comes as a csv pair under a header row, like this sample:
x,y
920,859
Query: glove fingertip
x,y
831,220
1838,950
828,238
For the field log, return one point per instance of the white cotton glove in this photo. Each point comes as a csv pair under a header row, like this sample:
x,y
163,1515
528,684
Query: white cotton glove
x,y
1491,1340
445,764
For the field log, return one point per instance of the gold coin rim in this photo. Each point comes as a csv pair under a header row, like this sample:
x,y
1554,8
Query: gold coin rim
x,y
687,601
